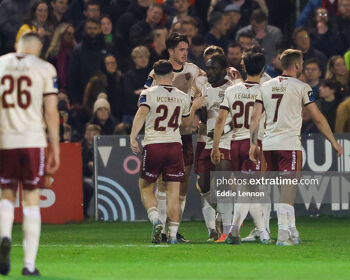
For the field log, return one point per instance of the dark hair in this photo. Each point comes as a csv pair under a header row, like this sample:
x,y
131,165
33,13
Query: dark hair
x,y
31,16
215,18
198,40
162,67
234,44
174,39
332,84
221,59
246,34
91,3
254,62
258,16
313,60
93,21
255,49
156,5
289,56
298,30
190,20
213,49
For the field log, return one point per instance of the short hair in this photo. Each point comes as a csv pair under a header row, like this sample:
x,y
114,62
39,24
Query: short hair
x,y
245,34
258,16
91,3
92,127
29,36
198,40
214,18
330,66
162,67
234,45
298,30
174,39
332,84
221,59
156,5
255,49
313,60
289,56
254,62
140,50
190,20
213,50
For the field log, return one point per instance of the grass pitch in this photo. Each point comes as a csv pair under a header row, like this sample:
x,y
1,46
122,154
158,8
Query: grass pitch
x,y
123,251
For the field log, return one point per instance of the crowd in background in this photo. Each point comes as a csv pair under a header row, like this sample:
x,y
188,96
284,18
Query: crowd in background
x,y
103,51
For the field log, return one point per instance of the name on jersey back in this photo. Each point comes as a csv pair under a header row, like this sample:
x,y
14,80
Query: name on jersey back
x,y
163,99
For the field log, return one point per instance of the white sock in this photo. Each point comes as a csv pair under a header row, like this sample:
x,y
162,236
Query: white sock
x,y
226,215
161,199
182,199
208,214
153,214
240,212
292,227
173,228
31,230
283,211
6,218
257,214
266,207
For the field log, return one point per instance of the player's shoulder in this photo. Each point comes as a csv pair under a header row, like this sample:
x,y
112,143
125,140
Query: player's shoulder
x,y
265,77
236,87
193,69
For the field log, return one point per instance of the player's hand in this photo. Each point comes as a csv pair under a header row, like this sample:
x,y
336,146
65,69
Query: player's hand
x,y
215,156
254,153
233,73
134,146
338,148
198,102
53,161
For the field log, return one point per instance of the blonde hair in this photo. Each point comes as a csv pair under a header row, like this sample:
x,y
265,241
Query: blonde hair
x,y
290,56
56,39
140,50
330,74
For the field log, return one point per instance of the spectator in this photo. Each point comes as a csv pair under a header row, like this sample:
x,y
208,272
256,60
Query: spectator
x,y
182,10
86,59
38,20
102,115
336,70
322,32
88,165
157,48
313,73
195,53
219,24
107,30
59,8
67,133
268,36
140,32
234,14
60,51
190,27
328,102
343,20
108,81
234,55
347,60
11,19
92,11
245,39
342,122
308,125
274,68
134,81
301,40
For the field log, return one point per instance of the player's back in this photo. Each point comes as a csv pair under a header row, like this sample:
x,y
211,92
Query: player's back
x,y
283,98
24,80
239,101
167,106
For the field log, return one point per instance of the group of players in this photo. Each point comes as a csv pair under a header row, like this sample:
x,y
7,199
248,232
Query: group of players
x,y
245,125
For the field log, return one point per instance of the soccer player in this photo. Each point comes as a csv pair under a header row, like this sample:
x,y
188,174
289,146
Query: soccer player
x,y
184,77
162,109
214,93
238,104
27,84
283,99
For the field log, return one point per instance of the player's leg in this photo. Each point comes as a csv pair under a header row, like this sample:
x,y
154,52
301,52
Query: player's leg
x,y
161,199
173,210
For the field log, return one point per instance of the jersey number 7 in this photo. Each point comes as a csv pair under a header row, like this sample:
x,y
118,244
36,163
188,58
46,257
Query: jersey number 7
x,y
279,99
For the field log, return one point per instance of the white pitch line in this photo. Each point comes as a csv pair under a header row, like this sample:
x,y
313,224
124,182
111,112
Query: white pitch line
x,y
94,245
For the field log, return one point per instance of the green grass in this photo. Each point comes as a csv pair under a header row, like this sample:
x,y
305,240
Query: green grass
x,y
123,251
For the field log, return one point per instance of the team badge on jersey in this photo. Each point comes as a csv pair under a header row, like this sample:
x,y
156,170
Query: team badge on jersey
x,y
55,82
311,96
149,82
142,99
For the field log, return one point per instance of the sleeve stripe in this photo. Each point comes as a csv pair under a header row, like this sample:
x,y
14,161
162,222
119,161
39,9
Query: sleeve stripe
x,y
50,93
225,108
143,104
186,115
259,101
308,103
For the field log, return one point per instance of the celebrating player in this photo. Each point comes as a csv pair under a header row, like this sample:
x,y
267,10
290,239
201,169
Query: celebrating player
x,y
27,83
283,99
238,102
163,108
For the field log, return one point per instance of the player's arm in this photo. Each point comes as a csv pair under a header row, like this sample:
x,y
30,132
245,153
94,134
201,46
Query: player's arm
x,y
198,103
139,121
254,131
323,126
218,130
52,120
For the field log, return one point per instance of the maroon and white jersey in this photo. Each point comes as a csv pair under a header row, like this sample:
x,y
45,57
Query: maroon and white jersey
x,y
239,102
24,81
167,106
283,98
214,97
264,78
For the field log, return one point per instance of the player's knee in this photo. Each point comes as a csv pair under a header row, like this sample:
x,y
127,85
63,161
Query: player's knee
x,y
8,195
31,198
